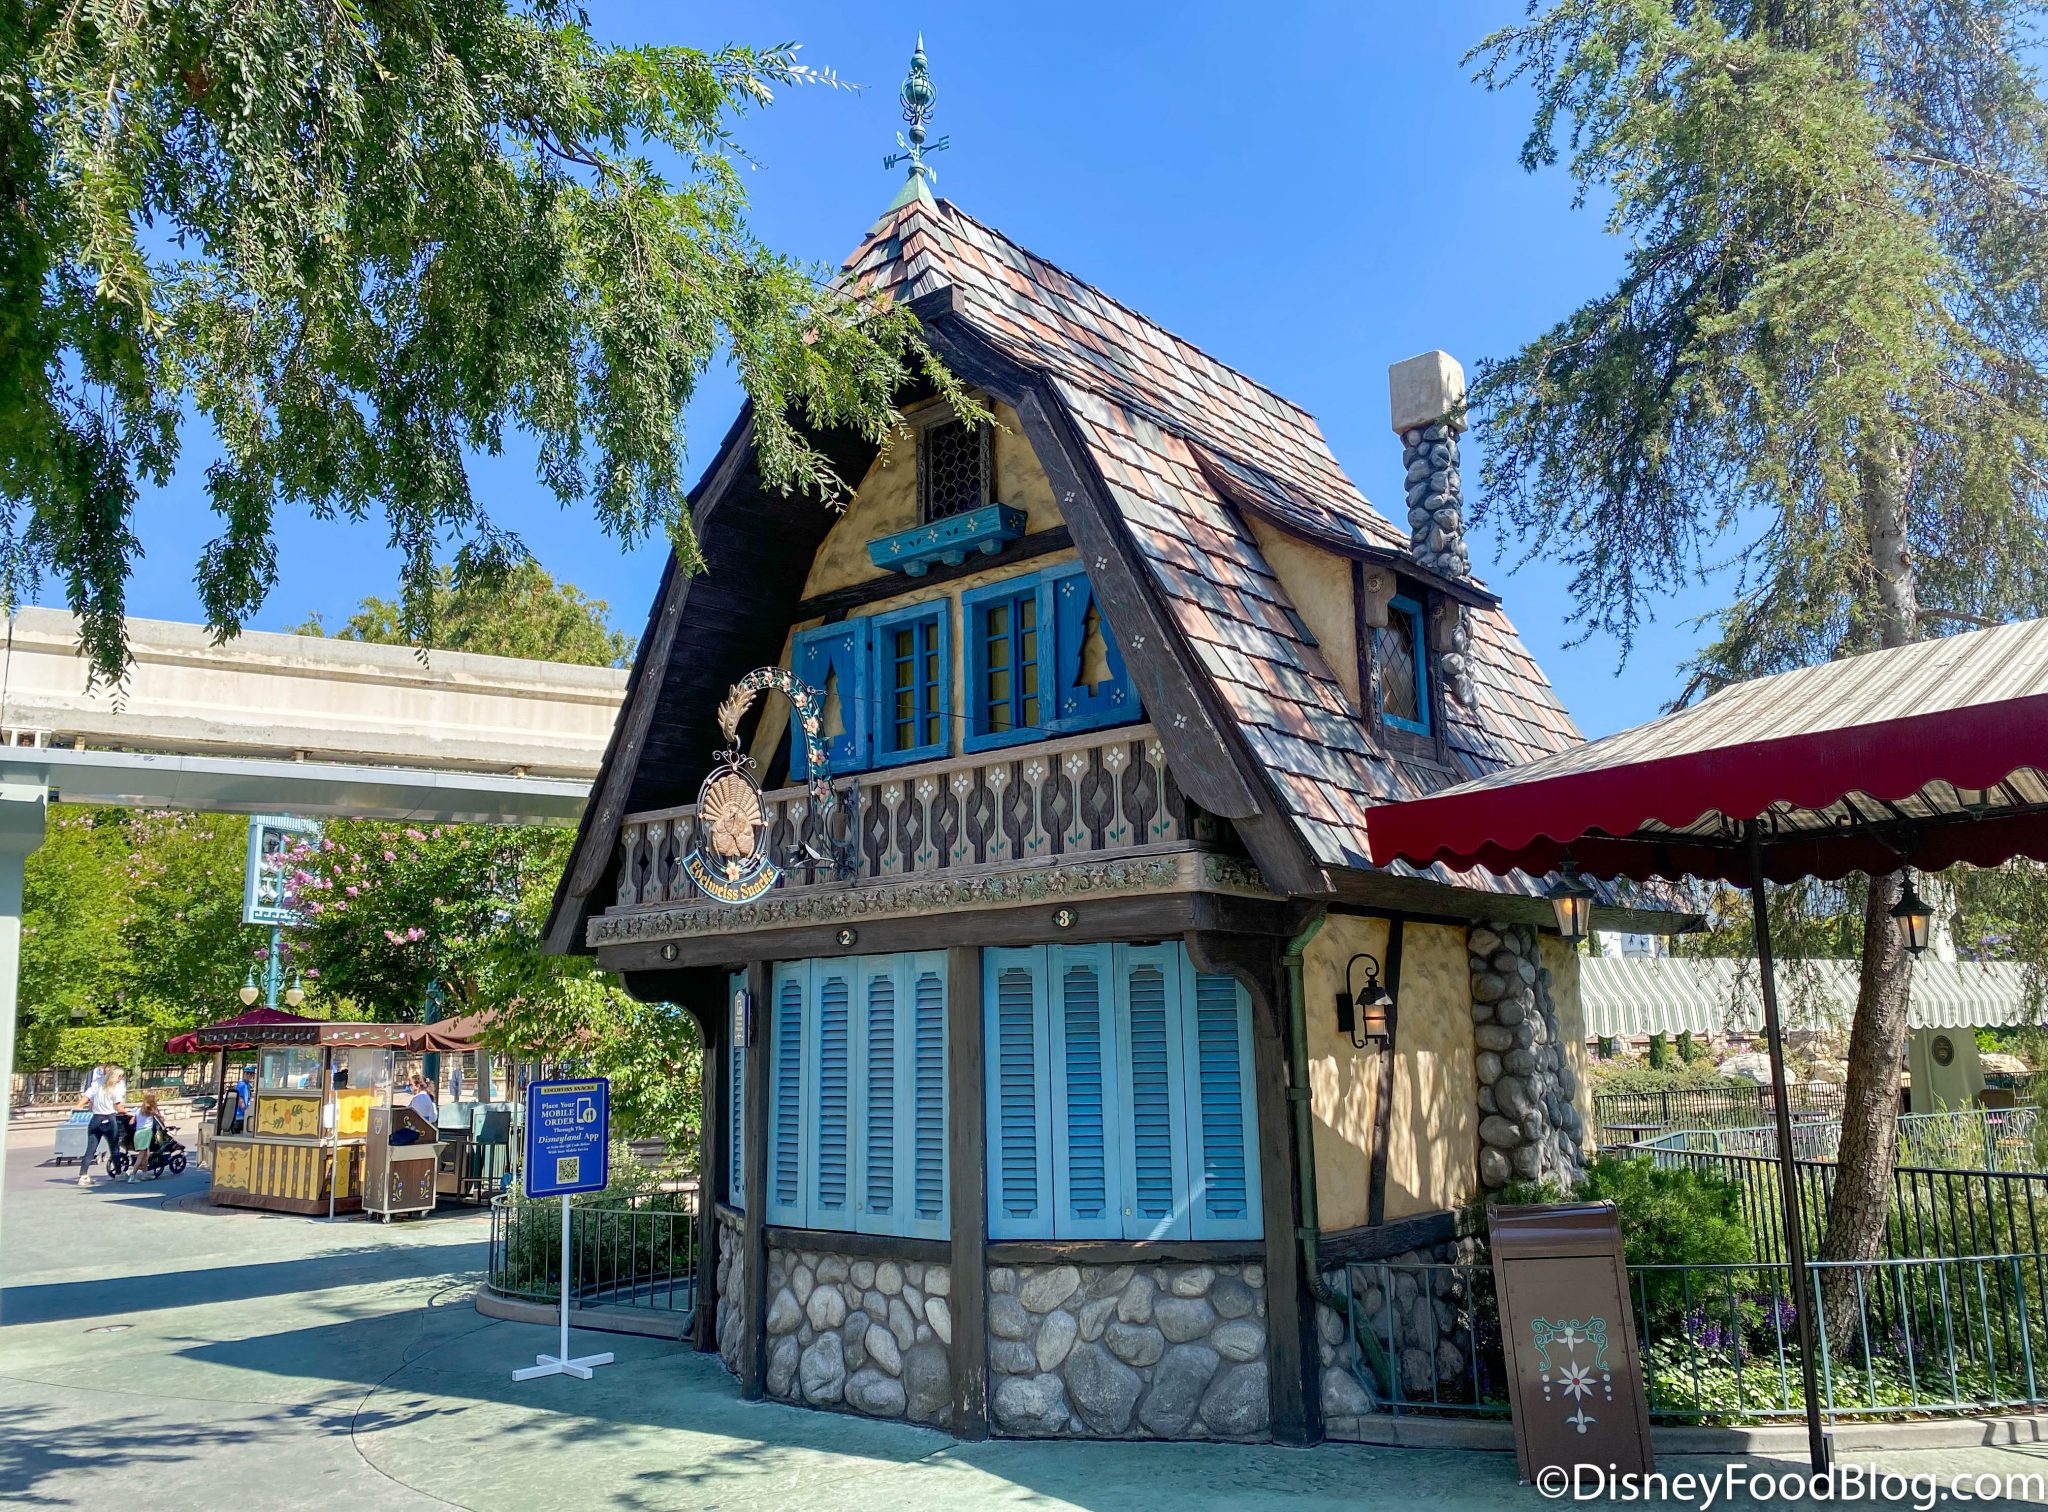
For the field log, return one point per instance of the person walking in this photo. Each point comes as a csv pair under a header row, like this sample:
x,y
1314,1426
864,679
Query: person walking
x,y
106,1102
149,1123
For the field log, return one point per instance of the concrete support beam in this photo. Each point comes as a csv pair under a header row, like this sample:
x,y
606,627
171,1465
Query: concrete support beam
x,y
22,805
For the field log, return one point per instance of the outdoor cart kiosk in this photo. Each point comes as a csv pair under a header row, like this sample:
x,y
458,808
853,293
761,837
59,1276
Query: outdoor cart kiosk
x,y
323,1106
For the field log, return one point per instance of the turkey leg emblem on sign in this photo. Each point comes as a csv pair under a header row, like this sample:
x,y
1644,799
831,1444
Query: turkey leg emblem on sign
x,y
732,861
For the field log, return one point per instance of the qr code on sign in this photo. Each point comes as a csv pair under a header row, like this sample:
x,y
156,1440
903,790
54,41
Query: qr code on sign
x,y
568,1170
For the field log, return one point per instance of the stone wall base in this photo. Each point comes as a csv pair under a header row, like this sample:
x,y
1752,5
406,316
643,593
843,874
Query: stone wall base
x,y
863,1335
1166,1351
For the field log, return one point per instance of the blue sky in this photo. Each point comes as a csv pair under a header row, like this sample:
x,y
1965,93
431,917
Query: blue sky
x,y
1309,192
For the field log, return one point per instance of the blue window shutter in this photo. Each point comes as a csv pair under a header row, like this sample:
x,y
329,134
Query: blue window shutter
x,y
832,659
1223,1122
831,1204
1086,1185
787,1117
882,1109
1019,1131
930,1213
1090,686
735,1100
1155,1158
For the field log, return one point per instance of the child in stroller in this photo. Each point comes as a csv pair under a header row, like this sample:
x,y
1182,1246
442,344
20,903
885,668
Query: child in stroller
x,y
157,1149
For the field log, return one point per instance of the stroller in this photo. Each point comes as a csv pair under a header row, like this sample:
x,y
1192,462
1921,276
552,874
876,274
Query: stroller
x,y
164,1156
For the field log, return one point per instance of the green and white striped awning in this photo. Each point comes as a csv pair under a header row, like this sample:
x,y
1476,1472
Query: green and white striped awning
x,y
1625,995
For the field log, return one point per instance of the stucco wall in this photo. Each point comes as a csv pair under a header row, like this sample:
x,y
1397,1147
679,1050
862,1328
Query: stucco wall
x,y
1319,583
886,501
1562,961
1433,1130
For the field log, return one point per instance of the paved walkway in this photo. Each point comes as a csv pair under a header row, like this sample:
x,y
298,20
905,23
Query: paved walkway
x,y
163,1354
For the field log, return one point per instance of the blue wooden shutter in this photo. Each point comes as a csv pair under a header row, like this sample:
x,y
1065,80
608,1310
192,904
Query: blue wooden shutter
x,y
735,1098
831,1204
910,687
832,659
1081,697
879,1040
1155,1158
930,1213
787,1116
1019,1132
1086,1172
1223,1119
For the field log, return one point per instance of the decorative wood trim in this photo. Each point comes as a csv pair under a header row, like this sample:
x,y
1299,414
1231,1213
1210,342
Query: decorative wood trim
x,y
1096,918
1126,1251
894,585
1379,1241
967,1176
860,1246
1383,1097
753,1221
1296,1398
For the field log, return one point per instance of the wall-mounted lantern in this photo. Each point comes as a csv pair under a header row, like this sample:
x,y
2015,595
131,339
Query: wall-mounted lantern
x,y
1363,1012
1572,901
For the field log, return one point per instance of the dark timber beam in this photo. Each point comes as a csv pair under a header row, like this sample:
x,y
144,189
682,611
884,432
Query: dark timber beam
x,y
967,1173
753,1317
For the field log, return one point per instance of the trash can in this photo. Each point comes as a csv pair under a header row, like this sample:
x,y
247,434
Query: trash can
x,y
1575,1377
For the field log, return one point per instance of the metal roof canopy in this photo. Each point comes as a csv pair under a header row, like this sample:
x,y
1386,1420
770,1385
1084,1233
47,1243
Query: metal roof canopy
x,y
1923,755
1624,995
1927,755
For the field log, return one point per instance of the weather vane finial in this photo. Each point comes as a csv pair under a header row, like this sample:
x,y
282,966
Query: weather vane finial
x,y
918,98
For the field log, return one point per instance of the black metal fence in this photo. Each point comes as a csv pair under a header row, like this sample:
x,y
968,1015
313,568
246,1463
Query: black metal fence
x,y
621,1254
1913,1336
1627,1117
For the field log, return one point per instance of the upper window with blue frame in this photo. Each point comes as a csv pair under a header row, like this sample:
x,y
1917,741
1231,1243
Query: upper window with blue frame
x,y
910,690
1401,662
1041,661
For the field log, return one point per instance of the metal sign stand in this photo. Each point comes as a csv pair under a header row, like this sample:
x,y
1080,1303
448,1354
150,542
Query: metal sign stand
x,y
567,1126
561,1364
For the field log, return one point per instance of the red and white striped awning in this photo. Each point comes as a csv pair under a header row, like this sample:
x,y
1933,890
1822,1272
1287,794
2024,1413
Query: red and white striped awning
x,y
1928,754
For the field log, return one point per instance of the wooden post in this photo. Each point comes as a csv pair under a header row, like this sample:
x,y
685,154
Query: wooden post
x,y
753,1322
714,1166
1296,1404
967,1177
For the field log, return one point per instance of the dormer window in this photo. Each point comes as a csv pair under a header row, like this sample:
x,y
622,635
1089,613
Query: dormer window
x,y
955,469
1401,667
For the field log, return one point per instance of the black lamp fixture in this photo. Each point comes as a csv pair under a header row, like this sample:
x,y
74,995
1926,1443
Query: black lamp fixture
x,y
1572,901
1364,1013
1915,917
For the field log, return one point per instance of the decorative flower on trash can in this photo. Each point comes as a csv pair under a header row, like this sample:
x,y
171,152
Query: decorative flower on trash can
x,y
1572,1358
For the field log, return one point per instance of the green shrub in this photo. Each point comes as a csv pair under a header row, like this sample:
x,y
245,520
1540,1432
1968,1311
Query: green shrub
x,y
1627,1076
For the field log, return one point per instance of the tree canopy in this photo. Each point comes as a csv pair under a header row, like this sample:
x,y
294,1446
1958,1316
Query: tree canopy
x,y
359,242
528,614
1822,363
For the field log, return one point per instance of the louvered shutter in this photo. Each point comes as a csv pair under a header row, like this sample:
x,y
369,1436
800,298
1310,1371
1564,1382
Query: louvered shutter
x,y
833,659
1085,1114
1222,1121
735,1098
930,1213
831,1204
788,1118
878,1039
1019,1130
1149,1016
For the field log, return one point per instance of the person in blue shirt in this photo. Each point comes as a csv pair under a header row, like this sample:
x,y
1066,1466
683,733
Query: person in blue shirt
x,y
245,1093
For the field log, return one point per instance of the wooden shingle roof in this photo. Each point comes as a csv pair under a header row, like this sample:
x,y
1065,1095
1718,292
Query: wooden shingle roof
x,y
1160,420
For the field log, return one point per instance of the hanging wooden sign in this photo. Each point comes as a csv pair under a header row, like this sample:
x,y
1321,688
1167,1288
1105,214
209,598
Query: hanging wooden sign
x,y
734,862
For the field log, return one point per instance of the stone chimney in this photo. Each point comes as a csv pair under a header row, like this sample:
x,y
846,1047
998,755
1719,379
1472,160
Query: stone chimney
x,y
1427,397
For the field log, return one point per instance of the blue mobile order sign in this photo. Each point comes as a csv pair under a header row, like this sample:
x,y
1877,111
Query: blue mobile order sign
x,y
568,1125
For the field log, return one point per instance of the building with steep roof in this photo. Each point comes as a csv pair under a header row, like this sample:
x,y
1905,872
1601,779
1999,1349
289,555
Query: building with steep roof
x,y
1006,834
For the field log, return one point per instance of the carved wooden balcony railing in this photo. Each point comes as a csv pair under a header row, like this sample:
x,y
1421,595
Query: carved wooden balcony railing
x,y
1107,793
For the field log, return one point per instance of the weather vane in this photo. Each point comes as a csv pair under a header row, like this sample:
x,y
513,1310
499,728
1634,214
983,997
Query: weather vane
x,y
918,98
